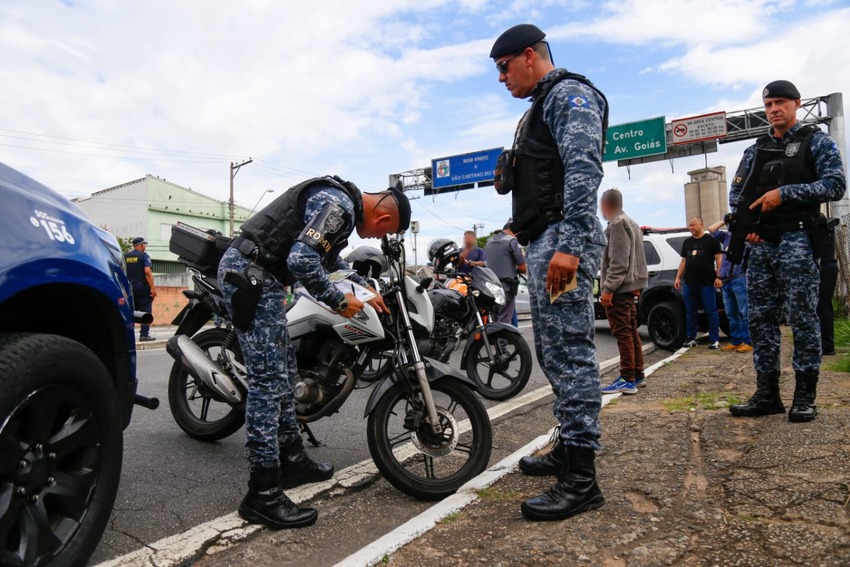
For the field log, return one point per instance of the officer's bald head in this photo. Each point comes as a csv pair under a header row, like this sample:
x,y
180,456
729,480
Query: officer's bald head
x,y
384,213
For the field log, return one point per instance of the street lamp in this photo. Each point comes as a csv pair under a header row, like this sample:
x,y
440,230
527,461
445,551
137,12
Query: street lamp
x,y
258,202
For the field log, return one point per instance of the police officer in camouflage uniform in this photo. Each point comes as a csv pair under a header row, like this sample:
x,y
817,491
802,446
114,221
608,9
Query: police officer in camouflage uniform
x,y
554,170
296,237
783,252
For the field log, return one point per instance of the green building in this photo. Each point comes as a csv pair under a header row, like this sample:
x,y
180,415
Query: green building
x,y
149,207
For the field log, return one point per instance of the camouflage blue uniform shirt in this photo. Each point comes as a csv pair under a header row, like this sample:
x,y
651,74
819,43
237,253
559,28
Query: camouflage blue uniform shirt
x,y
306,264
828,167
574,112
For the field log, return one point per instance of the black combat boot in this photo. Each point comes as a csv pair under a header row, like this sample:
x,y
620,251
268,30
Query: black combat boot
x,y
545,465
575,492
803,408
266,503
765,401
297,468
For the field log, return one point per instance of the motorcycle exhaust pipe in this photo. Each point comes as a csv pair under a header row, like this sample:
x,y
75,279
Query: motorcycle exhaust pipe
x,y
198,363
142,317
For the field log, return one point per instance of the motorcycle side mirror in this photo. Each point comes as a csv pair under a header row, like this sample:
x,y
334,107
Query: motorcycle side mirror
x,y
424,285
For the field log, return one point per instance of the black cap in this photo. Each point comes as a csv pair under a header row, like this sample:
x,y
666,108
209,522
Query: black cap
x,y
516,39
403,205
781,89
139,240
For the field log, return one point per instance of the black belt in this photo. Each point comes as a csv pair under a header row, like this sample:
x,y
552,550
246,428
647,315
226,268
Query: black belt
x,y
260,256
246,246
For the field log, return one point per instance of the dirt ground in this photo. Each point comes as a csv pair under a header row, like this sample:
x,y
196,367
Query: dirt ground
x,y
685,484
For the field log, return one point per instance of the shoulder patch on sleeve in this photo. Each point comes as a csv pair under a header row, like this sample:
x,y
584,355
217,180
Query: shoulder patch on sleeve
x,y
577,101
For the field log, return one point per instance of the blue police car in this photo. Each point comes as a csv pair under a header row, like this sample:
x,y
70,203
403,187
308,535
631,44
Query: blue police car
x,y
67,375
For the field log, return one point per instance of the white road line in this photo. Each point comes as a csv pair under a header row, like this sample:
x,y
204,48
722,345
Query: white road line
x,y
375,552
226,530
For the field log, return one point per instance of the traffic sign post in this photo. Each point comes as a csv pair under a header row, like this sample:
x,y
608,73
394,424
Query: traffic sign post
x,y
635,140
699,128
463,171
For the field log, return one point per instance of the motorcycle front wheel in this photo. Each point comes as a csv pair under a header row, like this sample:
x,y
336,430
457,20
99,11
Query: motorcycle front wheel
x,y
198,411
418,462
507,372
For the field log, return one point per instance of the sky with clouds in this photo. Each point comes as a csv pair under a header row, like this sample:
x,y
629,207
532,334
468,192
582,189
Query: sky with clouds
x,y
97,93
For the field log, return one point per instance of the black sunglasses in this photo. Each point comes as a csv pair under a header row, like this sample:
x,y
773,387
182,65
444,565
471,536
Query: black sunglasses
x,y
502,66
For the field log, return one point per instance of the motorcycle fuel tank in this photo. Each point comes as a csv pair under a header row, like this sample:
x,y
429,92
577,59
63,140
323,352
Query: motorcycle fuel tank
x,y
364,327
449,303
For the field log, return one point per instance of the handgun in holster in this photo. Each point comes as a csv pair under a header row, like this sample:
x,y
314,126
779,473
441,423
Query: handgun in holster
x,y
249,289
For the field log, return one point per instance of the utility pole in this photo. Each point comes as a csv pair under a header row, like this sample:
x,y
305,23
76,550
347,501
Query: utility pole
x,y
234,169
475,228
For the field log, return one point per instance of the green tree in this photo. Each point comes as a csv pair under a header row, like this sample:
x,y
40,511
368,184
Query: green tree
x,y
125,242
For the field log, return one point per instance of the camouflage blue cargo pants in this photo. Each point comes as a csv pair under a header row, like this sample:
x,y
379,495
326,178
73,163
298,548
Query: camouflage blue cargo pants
x,y
563,338
270,362
778,274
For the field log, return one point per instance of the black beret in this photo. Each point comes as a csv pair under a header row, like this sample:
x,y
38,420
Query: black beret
x,y
516,39
781,89
403,205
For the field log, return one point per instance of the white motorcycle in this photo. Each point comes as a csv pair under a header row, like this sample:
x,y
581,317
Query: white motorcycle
x,y
427,431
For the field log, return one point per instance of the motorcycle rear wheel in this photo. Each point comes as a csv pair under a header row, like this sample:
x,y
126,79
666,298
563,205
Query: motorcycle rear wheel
x,y
506,376
419,463
191,403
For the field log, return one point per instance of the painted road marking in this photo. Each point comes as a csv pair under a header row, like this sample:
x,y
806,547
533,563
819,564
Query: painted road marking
x,y
224,531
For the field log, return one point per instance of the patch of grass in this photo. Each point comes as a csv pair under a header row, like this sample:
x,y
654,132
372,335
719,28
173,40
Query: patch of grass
x,y
842,333
842,345
841,365
494,494
385,560
703,400
749,517
451,518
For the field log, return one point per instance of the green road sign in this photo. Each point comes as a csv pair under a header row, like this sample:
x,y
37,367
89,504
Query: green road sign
x,y
635,139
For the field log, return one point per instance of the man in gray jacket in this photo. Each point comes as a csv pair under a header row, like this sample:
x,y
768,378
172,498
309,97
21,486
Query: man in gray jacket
x,y
623,277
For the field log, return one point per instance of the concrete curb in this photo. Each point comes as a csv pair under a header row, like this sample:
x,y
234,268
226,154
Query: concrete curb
x,y
382,547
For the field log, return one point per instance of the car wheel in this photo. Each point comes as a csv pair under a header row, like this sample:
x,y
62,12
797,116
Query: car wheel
x,y
666,324
60,450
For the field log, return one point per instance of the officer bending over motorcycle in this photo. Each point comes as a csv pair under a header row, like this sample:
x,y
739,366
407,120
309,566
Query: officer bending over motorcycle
x,y
298,237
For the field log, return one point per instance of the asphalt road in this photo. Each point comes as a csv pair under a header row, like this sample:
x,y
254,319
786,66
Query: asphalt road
x,y
171,483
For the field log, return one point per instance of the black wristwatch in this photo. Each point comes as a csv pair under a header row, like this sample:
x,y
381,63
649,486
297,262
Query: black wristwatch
x,y
342,305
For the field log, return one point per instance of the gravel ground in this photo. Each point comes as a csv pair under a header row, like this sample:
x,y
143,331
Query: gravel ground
x,y
685,483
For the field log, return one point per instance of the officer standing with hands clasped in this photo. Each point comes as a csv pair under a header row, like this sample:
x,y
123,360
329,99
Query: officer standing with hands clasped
x,y
297,237
140,274
791,232
554,169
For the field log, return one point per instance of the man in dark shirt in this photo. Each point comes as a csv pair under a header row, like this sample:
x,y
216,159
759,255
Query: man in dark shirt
x,y
700,265
505,258
472,254
140,274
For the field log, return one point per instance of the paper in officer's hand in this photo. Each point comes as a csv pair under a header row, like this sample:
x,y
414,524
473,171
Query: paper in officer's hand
x,y
555,294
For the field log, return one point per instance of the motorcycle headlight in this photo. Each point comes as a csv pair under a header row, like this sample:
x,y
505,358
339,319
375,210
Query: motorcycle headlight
x,y
497,292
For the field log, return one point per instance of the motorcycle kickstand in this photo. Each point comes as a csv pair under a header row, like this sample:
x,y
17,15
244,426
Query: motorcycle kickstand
x,y
310,437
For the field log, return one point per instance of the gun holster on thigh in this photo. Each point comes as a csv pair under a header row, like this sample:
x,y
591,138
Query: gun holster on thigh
x,y
249,289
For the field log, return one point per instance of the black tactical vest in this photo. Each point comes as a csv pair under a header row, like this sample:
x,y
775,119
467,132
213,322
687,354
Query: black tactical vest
x,y
538,170
275,228
789,162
